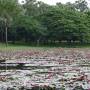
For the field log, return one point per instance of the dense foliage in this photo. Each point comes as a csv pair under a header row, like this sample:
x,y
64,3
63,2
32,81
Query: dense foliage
x,y
37,22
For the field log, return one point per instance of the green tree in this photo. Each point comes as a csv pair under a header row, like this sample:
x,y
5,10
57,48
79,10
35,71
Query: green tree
x,y
9,9
29,29
64,23
81,5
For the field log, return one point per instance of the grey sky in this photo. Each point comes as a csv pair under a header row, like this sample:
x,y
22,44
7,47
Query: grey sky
x,y
53,2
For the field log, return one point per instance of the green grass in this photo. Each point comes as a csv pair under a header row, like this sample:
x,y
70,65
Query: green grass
x,y
44,47
22,47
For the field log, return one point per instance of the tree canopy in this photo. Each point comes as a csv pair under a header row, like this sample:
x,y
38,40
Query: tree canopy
x,y
37,22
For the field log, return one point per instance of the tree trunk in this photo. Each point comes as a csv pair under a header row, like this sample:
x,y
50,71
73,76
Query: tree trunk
x,y
2,35
6,39
38,41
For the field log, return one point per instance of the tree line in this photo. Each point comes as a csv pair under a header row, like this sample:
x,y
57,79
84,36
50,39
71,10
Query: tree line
x,y
40,23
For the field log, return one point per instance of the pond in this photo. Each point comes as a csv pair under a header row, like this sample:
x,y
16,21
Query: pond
x,y
47,70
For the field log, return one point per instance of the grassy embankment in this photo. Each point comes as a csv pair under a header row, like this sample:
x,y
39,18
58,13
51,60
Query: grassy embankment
x,y
28,46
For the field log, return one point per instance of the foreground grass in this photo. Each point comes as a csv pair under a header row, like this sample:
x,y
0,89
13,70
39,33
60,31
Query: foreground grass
x,y
44,47
22,47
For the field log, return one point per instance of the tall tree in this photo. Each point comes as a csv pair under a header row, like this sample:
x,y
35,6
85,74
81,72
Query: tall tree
x,y
9,9
81,5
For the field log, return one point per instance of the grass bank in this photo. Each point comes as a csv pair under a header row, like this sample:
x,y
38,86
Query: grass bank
x,y
28,46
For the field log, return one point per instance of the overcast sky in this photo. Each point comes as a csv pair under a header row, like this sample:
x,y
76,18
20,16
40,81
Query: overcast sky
x,y
53,2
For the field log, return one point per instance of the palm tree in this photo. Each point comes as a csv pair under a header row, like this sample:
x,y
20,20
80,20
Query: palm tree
x,y
9,9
